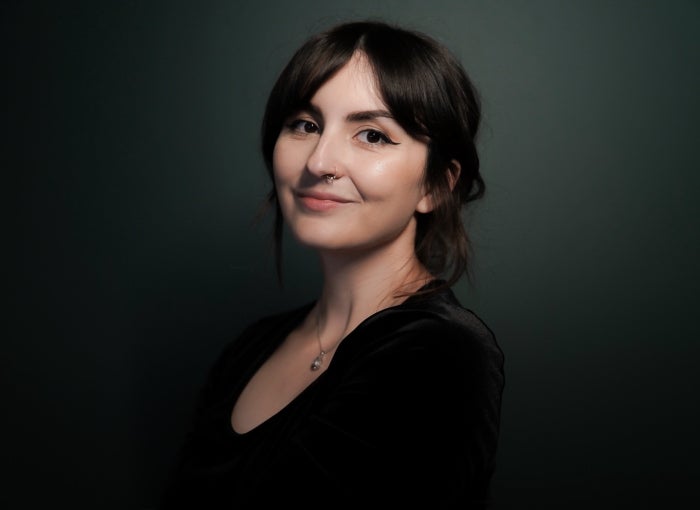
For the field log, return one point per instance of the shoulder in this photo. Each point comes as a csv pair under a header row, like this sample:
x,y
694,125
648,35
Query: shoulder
x,y
434,332
273,323
443,319
258,336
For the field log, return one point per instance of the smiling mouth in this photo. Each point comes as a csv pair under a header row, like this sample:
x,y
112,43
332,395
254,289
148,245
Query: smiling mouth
x,y
320,202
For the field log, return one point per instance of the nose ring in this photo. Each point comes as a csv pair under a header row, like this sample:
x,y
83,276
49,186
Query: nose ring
x,y
330,178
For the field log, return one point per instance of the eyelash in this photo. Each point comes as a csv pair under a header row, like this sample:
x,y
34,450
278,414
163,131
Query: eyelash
x,y
300,126
384,140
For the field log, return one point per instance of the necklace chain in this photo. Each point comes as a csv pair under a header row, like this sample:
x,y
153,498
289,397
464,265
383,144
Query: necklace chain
x,y
318,360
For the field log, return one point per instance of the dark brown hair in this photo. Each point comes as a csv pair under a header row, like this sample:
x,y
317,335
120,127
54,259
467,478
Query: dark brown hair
x,y
429,94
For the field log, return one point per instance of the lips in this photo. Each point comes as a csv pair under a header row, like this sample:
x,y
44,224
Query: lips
x,y
320,201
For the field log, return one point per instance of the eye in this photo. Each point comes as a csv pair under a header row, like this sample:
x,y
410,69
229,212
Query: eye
x,y
374,137
303,126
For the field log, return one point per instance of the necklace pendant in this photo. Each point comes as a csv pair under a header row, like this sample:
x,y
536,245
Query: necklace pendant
x,y
318,360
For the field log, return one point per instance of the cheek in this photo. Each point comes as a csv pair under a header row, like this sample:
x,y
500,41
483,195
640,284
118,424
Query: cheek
x,y
399,178
278,160
284,175
289,159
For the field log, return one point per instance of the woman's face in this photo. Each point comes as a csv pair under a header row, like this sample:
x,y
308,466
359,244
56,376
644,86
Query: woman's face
x,y
348,132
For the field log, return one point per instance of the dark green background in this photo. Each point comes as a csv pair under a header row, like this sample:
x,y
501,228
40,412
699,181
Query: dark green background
x,y
132,171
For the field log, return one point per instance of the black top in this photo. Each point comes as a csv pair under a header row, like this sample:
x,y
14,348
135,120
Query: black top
x,y
406,413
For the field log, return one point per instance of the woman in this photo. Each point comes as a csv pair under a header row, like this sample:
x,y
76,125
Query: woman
x,y
384,389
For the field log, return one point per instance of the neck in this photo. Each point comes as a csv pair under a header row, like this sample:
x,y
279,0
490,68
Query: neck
x,y
357,286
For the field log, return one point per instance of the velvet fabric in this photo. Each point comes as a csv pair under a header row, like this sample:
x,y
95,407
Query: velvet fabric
x,y
407,412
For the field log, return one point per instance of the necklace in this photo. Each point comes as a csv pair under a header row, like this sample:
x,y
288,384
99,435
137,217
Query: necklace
x,y
318,360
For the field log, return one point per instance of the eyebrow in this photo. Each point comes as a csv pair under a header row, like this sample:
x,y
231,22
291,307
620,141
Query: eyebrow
x,y
368,115
354,116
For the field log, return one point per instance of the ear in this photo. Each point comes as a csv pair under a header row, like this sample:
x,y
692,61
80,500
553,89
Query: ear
x,y
429,200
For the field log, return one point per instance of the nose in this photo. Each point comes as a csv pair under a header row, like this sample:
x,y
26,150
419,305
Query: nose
x,y
327,156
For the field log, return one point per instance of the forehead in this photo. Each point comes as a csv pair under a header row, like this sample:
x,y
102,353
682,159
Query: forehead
x,y
353,86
